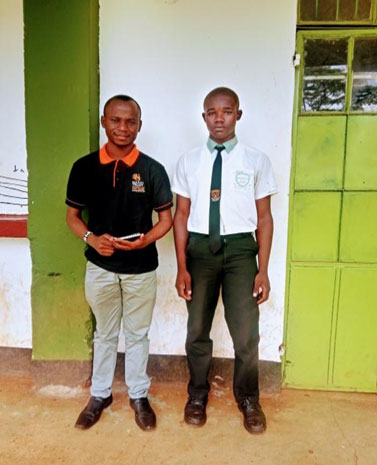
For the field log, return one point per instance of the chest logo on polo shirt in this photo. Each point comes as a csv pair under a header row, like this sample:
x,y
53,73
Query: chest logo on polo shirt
x,y
137,183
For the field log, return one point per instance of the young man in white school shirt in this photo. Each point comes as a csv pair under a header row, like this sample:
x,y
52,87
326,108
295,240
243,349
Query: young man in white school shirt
x,y
223,198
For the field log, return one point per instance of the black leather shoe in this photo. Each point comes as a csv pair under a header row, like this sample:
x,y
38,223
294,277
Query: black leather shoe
x,y
254,420
195,412
92,412
144,415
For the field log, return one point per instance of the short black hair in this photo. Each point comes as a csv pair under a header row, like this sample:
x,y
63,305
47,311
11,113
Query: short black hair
x,y
124,98
223,91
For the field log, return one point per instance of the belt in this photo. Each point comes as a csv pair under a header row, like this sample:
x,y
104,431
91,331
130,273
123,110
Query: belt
x,y
224,236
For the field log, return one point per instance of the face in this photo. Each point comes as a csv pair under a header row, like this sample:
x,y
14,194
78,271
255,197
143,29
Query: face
x,y
221,115
121,123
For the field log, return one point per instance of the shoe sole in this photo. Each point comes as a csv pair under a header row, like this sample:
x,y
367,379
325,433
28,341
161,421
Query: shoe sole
x,y
260,430
194,424
140,425
250,430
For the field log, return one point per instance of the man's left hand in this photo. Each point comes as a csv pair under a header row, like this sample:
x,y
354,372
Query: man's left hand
x,y
262,287
122,244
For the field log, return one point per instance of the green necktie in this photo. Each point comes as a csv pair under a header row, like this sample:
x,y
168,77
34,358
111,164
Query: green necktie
x,y
214,207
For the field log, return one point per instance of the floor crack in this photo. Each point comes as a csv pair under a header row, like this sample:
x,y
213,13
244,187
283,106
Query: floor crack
x,y
355,456
139,455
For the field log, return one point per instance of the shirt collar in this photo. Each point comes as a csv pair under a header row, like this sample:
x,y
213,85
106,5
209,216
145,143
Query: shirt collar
x,y
229,144
129,159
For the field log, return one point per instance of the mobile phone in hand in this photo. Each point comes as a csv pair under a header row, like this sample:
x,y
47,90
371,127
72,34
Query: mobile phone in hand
x,y
130,237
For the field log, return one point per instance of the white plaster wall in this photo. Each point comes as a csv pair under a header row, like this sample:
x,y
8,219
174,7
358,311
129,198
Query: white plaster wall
x,y
15,282
13,174
168,54
15,262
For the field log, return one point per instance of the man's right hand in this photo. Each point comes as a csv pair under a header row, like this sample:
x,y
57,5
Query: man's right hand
x,y
183,285
102,244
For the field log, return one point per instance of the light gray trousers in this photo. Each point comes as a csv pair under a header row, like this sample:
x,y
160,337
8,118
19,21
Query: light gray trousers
x,y
116,298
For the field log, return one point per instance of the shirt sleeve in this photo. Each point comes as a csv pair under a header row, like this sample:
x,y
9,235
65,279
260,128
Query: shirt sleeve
x,y
162,195
265,184
180,184
76,192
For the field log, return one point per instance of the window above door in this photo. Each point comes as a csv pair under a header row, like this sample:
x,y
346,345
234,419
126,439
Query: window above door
x,y
337,11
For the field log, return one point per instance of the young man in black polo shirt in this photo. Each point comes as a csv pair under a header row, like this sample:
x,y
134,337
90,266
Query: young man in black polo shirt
x,y
120,187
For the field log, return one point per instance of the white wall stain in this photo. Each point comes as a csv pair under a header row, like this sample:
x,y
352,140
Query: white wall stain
x,y
15,306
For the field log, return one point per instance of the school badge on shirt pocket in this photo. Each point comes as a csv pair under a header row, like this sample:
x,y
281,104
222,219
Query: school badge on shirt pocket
x,y
242,180
137,183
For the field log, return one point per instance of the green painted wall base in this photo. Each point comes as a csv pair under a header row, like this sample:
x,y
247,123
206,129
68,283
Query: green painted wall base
x,y
61,97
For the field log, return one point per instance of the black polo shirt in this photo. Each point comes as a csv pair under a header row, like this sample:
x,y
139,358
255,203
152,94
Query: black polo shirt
x,y
120,200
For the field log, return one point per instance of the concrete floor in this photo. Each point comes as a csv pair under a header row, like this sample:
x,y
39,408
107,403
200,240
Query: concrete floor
x,y
303,427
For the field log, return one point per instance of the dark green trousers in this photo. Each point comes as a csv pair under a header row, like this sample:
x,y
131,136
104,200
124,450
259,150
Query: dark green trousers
x,y
232,270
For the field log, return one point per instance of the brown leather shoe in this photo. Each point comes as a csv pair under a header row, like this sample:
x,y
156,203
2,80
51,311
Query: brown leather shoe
x,y
144,415
195,412
254,419
92,412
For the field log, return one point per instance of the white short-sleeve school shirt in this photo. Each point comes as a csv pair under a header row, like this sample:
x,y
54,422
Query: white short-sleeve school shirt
x,y
246,176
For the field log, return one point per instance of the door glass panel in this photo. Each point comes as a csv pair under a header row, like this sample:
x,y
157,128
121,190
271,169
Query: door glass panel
x,y
346,10
364,88
325,74
335,10
352,10
307,10
326,10
363,10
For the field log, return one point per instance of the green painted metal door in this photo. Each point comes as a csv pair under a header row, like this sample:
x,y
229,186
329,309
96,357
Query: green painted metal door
x,y
331,317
